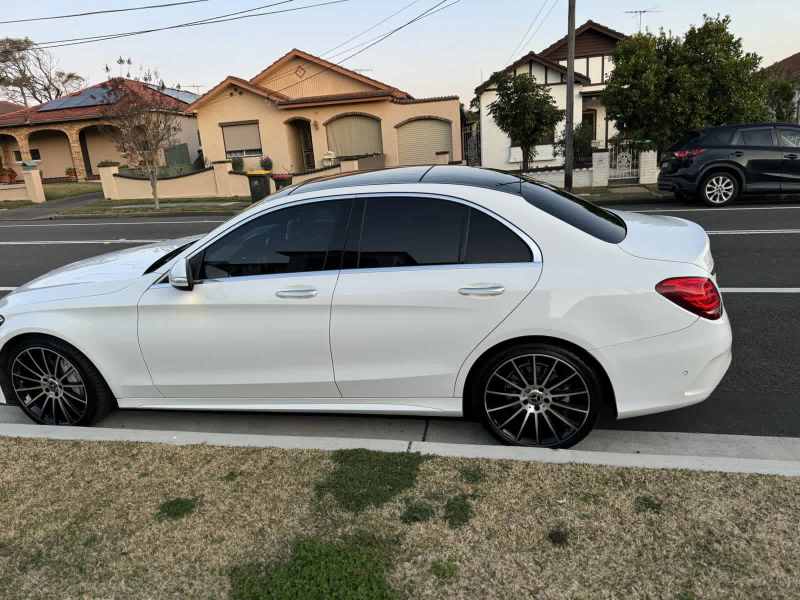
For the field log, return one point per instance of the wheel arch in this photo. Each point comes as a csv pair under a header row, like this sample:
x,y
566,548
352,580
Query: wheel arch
x,y
34,335
605,380
732,168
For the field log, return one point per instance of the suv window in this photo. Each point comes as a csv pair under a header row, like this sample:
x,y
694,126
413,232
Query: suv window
x,y
308,237
716,137
789,138
403,231
755,137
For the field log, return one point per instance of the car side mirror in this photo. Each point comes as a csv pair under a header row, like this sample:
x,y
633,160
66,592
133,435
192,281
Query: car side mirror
x,y
180,275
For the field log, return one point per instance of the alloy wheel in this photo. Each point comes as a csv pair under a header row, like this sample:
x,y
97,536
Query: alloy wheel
x,y
537,400
720,189
49,386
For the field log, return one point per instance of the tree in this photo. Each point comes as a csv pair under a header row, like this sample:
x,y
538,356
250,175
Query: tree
x,y
665,86
781,98
145,122
581,143
525,111
28,73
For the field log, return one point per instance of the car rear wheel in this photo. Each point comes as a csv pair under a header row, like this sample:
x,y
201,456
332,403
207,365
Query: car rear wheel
x,y
538,395
720,189
55,384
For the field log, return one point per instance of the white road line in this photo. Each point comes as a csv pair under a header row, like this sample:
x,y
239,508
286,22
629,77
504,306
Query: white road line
x,y
779,290
75,242
671,210
106,224
7,289
753,232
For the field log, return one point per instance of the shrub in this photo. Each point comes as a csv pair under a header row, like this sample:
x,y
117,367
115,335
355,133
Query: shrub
x,y
237,164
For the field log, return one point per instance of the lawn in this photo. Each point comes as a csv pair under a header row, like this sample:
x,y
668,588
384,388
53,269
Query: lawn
x,y
170,206
124,520
57,191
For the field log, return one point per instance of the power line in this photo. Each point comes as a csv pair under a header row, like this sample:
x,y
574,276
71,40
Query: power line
x,y
378,24
209,21
542,22
433,9
527,31
100,12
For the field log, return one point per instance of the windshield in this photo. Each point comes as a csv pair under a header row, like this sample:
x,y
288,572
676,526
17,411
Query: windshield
x,y
576,211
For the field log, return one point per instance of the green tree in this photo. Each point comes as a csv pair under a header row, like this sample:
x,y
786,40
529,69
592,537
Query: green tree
x,y
581,143
781,94
525,111
664,86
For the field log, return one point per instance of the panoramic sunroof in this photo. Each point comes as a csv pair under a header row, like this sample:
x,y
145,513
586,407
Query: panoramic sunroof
x,y
93,96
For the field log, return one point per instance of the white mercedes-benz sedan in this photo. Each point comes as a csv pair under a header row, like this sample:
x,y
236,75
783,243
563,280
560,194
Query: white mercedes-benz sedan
x,y
445,290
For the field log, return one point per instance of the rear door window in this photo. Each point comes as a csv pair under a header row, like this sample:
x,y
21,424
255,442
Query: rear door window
x,y
789,138
756,137
490,241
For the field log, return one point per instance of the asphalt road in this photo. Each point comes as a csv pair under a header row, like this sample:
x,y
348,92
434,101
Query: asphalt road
x,y
757,250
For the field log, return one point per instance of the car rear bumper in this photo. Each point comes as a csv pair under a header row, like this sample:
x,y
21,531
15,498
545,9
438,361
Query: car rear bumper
x,y
676,183
669,371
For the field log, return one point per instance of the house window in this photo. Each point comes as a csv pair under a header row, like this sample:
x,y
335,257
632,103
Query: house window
x,y
35,154
17,156
547,138
354,135
241,139
590,120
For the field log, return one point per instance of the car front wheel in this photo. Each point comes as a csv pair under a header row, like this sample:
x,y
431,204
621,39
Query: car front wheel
x,y
720,189
55,384
538,395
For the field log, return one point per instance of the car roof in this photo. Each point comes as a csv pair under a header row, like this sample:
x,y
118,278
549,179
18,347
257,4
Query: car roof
x,y
435,174
746,125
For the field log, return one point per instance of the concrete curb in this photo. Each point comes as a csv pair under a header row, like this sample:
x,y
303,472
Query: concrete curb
x,y
613,459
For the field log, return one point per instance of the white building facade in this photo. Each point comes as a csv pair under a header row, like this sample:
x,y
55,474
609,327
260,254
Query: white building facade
x,y
594,46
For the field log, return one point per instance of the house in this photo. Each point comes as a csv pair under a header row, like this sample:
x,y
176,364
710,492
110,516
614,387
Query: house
x,y
7,107
594,46
790,69
69,136
306,114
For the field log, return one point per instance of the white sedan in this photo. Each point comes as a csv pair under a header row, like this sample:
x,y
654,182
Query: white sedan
x,y
443,291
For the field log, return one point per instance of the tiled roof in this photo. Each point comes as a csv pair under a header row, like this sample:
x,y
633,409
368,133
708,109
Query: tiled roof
x,y
789,66
7,107
336,98
423,100
37,115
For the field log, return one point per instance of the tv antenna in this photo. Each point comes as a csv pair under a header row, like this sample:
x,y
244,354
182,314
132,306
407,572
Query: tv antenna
x,y
641,14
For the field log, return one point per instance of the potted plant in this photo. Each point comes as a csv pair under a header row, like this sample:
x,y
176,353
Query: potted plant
x,y
237,164
71,173
7,175
266,163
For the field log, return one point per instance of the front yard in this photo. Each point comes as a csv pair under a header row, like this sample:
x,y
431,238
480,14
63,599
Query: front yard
x,y
128,520
172,206
57,191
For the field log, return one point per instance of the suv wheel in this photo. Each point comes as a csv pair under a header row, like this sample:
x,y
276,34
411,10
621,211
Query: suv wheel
x,y
720,189
538,395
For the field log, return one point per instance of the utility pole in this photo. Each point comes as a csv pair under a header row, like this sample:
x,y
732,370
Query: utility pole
x,y
569,150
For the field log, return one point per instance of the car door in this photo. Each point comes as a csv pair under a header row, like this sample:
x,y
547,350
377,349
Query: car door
x,y
762,160
425,282
256,323
789,143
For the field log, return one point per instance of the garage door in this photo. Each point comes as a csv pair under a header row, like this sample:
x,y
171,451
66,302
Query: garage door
x,y
420,140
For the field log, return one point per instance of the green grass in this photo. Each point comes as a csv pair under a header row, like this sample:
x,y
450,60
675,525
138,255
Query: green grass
x,y
642,504
351,569
362,478
472,474
57,191
458,511
444,569
177,508
417,512
231,476
146,207
11,204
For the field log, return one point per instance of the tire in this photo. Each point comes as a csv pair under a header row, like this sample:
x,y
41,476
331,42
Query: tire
x,y
719,189
518,408
55,384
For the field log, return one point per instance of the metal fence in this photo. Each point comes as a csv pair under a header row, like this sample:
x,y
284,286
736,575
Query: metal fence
x,y
623,159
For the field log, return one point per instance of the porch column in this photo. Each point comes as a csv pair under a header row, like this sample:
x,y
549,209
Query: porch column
x,y
73,135
24,146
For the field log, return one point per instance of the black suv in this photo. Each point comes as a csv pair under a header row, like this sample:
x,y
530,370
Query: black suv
x,y
720,163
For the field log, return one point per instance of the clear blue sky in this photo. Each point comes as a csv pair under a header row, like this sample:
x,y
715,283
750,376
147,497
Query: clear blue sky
x,y
447,53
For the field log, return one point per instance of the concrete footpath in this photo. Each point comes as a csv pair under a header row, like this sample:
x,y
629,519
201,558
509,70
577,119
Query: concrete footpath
x,y
728,464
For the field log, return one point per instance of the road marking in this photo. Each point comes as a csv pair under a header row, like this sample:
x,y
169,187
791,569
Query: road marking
x,y
62,242
753,232
671,210
7,289
736,290
105,224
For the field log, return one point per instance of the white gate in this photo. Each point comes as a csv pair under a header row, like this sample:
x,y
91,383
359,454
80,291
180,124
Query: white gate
x,y
623,161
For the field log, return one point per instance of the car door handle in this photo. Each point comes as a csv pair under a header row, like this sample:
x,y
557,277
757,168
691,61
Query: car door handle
x,y
309,292
481,289
738,153
791,156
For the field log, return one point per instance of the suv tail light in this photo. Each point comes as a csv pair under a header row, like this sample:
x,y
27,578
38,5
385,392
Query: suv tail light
x,y
683,154
698,295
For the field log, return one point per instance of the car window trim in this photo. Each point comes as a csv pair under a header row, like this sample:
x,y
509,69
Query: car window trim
x,y
267,210
536,253
739,140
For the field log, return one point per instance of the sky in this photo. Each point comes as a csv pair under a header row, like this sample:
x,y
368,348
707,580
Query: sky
x,y
448,53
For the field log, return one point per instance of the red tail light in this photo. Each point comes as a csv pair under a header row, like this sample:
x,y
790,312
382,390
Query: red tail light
x,y
683,154
696,294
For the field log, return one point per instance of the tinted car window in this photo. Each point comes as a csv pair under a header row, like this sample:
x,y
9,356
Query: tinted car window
x,y
489,241
717,137
301,238
576,211
401,232
755,137
789,138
